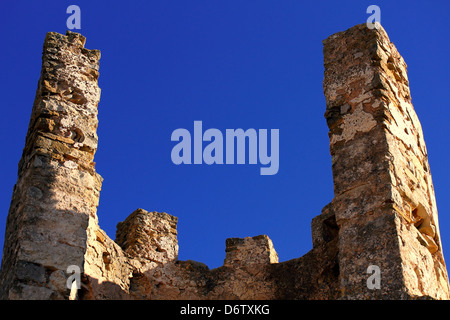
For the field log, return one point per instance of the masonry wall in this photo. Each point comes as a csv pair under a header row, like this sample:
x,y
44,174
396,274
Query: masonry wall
x,y
384,202
383,213
57,190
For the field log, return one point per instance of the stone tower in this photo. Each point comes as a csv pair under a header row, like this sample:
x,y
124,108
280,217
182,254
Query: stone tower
x,y
57,190
383,217
384,204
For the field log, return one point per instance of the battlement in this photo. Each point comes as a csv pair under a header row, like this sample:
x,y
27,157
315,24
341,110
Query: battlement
x,y
254,250
149,235
383,213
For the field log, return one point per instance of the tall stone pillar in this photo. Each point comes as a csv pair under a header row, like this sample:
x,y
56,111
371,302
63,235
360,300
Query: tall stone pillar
x,y
384,205
57,190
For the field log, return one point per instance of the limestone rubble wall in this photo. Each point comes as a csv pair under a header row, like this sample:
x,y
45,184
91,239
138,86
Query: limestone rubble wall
x,y
57,190
384,204
383,214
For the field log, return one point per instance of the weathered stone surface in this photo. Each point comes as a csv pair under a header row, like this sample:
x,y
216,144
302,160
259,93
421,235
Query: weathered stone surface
x,y
383,213
107,268
149,236
247,251
384,203
57,190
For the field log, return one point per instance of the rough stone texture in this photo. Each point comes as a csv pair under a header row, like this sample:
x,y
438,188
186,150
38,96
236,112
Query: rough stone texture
x,y
256,250
107,268
384,203
57,191
149,236
383,213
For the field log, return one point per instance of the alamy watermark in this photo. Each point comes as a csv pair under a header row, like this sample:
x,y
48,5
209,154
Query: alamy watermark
x,y
374,281
73,282
235,140
74,20
374,20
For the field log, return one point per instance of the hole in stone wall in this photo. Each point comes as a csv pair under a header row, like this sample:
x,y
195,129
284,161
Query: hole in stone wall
x,y
107,260
330,228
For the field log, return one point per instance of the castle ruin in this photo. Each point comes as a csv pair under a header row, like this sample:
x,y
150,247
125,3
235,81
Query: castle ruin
x,y
383,213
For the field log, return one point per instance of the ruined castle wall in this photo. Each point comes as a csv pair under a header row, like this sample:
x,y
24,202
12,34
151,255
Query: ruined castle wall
x,y
251,271
384,202
107,269
383,214
57,190
149,240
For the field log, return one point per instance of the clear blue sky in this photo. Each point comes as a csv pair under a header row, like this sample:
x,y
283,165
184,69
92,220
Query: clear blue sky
x,y
231,64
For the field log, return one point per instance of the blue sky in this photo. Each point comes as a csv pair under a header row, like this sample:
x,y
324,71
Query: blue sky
x,y
231,64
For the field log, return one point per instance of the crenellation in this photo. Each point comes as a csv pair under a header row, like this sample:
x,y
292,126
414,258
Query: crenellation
x,y
249,250
150,237
383,214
